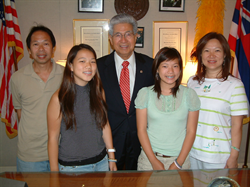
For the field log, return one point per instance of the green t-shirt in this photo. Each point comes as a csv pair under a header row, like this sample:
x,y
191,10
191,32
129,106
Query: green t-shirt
x,y
167,117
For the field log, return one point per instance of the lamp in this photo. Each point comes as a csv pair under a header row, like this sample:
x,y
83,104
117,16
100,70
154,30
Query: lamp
x,y
61,62
189,70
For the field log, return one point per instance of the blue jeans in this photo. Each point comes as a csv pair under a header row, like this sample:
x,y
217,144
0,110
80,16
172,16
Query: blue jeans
x,y
23,166
102,165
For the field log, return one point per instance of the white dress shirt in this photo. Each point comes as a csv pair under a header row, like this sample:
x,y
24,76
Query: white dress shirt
x,y
131,68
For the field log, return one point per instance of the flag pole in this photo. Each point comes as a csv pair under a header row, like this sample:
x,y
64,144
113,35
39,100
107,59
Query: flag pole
x,y
15,60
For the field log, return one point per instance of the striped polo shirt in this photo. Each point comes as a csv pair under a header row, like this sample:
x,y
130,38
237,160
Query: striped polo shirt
x,y
219,101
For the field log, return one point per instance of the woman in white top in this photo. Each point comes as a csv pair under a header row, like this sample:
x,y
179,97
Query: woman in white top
x,y
223,106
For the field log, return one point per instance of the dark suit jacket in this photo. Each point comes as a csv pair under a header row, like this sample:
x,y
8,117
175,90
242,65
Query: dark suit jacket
x,y
119,120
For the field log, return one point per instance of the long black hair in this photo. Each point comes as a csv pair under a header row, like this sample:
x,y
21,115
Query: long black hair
x,y
66,94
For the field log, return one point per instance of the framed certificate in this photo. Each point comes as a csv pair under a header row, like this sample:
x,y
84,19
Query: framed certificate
x,y
93,32
170,34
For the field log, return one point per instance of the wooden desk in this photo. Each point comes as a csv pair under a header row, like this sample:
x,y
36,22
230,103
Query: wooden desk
x,y
186,178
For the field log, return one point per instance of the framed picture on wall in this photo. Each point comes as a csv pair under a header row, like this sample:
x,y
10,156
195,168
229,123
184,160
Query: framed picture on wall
x,y
171,5
170,34
140,38
93,6
93,32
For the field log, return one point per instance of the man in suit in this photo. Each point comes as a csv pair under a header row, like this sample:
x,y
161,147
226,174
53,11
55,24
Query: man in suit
x,y
123,73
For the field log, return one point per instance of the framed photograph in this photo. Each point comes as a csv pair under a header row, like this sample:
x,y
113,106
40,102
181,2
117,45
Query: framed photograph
x,y
93,6
172,5
170,34
93,32
140,38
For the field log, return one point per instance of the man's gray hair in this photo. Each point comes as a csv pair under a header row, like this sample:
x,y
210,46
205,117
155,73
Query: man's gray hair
x,y
122,18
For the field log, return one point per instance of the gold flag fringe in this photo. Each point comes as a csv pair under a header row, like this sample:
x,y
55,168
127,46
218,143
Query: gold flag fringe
x,y
210,16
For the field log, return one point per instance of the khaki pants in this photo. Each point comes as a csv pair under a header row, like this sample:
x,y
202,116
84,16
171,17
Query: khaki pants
x,y
144,164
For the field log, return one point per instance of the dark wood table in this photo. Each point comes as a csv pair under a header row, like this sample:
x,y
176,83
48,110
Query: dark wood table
x,y
186,178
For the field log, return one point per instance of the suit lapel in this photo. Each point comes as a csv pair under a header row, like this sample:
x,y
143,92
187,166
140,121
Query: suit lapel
x,y
110,73
139,79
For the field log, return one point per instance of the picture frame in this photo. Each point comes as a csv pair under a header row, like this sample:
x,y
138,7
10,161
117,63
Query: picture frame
x,y
91,6
93,32
172,5
170,34
140,38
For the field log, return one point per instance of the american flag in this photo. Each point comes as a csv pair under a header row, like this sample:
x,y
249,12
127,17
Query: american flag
x,y
239,41
11,47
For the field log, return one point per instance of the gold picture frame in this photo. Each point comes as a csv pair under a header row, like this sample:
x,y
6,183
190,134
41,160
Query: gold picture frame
x,y
170,34
93,32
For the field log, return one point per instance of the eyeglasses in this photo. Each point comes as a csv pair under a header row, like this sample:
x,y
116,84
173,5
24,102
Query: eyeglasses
x,y
128,35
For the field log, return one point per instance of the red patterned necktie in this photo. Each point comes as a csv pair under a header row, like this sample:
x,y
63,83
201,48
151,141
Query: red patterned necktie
x,y
125,84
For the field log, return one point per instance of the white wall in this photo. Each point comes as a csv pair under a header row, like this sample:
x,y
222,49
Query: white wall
x,y
58,15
